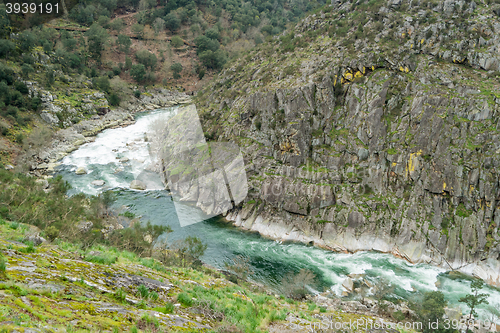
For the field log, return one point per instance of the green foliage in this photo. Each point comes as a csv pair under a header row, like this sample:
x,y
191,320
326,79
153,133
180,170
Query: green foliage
x,y
3,267
97,37
143,291
431,310
215,60
6,48
295,285
172,21
124,44
120,295
146,58
114,99
128,63
184,299
51,233
103,259
462,211
137,93
116,24
169,307
102,83
475,299
176,41
240,267
138,72
203,44
138,30
176,69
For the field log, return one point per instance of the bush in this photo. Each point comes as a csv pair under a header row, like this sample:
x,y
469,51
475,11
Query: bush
x,y
113,99
124,43
172,21
137,94
176,41
120,295
51,233
103,259
176,69
143,291
138,72
146,58
169,307
3,267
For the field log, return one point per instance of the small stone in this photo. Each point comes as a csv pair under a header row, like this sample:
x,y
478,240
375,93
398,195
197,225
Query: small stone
x,y
9,167
98,182
124,160
137,185
81,171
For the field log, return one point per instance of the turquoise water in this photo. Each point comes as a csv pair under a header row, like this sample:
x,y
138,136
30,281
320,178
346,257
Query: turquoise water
x,y
270,261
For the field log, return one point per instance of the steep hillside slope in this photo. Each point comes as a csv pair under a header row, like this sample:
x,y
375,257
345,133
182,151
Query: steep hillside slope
x,y
372,126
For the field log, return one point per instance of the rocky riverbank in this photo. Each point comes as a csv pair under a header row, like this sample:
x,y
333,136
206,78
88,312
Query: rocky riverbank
x,y
42,161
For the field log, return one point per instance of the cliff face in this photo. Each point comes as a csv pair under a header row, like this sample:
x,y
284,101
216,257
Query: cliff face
x,y
372,126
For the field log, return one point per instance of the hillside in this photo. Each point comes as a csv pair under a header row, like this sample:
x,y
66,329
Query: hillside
x,y
48,287
372,125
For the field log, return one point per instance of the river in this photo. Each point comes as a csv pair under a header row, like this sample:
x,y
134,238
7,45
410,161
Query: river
x,y
269,260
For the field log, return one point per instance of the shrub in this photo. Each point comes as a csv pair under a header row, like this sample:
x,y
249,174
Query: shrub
x,y
176,41
120,295
169,307
138,72
51,233
103,259
137,94
143,291
146,58
113,99
177,69
184,299
3,267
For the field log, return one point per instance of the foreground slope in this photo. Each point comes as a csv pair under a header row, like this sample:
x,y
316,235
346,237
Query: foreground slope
x,y
372,126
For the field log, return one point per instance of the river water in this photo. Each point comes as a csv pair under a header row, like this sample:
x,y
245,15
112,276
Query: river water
x,y
270,261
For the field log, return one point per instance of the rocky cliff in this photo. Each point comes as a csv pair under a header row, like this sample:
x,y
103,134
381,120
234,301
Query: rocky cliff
x,y
372,126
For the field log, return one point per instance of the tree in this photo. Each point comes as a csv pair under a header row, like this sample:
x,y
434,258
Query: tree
x,y
27,40
124,43
146,58
431,312
215,60
138,30
172,22
97,37
203,43
191,247
176,41
6,47
5,27
177,69
128,63
116,24
474,299
138,72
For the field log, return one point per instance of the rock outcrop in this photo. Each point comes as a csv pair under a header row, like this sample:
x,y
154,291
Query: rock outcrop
x,y
382,137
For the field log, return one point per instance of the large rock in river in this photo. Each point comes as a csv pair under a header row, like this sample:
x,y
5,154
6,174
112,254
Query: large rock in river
x,y
137,185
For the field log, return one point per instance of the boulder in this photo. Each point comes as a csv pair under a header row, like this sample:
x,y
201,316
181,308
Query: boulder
x,y
124,160
81,171
36,239
137,185
98,182
9,167
84,226
348,284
